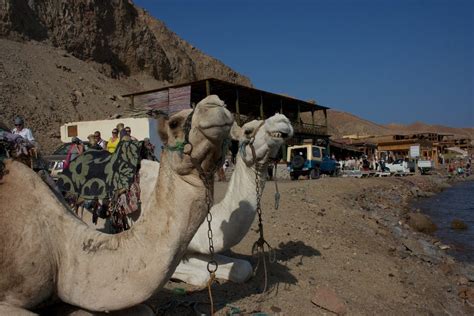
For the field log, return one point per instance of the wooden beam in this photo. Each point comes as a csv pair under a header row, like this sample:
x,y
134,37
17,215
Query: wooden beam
x,y
312,116
325,117
281,106
132,101
208,88
262,115
237,107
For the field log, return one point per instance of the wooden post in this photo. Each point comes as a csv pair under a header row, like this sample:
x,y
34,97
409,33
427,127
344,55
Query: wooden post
x,y
237,107
325,117
312,117
208,88
132,101
262,116
281,106
298,115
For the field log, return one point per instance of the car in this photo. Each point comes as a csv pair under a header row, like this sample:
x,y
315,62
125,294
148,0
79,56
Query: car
x,y
56,159
425,166
398,166
310,160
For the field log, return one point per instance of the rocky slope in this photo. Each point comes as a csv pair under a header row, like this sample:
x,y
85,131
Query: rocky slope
x,y
63,61
122,37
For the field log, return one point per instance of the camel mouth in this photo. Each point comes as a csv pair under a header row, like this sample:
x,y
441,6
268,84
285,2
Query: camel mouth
x,y
278,135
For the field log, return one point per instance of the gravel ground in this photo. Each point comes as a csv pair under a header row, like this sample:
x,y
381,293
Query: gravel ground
x,y
344,244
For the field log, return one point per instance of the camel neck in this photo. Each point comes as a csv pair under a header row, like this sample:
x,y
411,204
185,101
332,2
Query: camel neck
x,y
139,260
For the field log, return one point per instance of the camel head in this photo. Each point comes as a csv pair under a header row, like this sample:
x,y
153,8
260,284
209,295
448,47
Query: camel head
x,y
196,137
266,137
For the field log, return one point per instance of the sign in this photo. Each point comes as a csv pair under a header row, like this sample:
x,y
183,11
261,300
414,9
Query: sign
x,y
415,151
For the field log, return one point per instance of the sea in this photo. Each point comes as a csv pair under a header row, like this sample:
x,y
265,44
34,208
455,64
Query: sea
x,y
456,202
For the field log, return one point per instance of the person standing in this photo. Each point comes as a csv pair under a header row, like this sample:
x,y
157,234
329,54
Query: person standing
x,y
128,132
113,141
102,143
21,130
75,149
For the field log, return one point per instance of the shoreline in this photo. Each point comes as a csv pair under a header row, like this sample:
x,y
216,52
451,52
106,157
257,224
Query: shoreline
x,y
348,237
342,245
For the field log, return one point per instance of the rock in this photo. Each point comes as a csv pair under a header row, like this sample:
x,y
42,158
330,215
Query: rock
x,y
463,280
421,223
327,299
78,93
458,224
443,247
466,293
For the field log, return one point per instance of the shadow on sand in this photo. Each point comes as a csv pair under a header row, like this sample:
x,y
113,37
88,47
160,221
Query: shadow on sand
x,y
196,301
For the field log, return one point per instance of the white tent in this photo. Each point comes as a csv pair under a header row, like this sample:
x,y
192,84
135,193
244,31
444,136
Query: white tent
x,y
458,150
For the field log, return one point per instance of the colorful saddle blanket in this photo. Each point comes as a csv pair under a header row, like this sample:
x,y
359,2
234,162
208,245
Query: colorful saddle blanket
x,y
99,174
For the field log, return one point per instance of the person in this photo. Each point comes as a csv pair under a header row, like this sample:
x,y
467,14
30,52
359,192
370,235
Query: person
x,y
21,130
102,143
113,141
121,130
75,149
93,142
150,152
128,132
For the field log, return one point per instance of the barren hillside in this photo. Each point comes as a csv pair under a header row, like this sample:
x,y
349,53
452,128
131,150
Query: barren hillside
x,y
67,60
64,61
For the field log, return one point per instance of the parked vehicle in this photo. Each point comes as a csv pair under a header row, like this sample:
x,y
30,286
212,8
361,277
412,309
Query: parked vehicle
x,y
398,166
425,166
310,160
56,160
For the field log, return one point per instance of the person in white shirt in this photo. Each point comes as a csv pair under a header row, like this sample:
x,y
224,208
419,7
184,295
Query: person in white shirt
x,y
102,143
21,130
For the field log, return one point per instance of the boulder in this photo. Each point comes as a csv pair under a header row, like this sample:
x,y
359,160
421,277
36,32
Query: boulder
x,y
421,223
458,224
327,299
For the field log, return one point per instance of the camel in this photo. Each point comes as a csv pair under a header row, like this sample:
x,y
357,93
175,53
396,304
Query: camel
x,y
233,216
47,252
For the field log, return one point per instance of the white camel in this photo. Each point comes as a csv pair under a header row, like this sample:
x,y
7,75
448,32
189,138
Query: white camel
x,y
48,252
233,216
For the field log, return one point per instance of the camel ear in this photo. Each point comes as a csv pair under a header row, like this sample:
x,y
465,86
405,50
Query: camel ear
x,y
236,131
162,129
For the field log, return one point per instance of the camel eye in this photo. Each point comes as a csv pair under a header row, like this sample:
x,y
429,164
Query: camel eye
x,y
173,124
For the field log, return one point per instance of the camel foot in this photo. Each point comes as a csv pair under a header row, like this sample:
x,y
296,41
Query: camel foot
x,y
6,309
194,269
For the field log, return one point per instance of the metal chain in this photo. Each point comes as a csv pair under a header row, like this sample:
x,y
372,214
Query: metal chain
x,y
259,245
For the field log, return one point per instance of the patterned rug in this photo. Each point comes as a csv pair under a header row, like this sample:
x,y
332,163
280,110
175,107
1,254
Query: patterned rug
x,y
99,174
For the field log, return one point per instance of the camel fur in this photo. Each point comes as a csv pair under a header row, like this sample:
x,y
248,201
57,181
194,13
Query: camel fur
x,y
233,216
48,252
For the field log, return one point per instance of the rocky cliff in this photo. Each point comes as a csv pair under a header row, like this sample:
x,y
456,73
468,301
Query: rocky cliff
x,y
118,35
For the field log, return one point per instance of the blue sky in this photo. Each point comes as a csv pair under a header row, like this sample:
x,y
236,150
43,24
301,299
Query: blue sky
x,y
386,61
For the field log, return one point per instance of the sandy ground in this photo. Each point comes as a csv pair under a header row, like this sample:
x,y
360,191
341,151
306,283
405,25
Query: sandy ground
x,y
346,238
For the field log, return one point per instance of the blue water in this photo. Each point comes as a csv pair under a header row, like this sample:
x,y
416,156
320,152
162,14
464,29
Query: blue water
x,y
456,202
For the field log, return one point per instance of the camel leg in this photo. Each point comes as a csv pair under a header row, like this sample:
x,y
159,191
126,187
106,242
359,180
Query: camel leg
x,y
6,309
194,269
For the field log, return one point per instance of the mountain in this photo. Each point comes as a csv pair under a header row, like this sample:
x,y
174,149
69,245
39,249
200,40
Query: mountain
x,y
342,123
63,61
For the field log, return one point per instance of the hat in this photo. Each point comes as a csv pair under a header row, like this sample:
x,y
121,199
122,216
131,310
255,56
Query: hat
x,y
18,120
